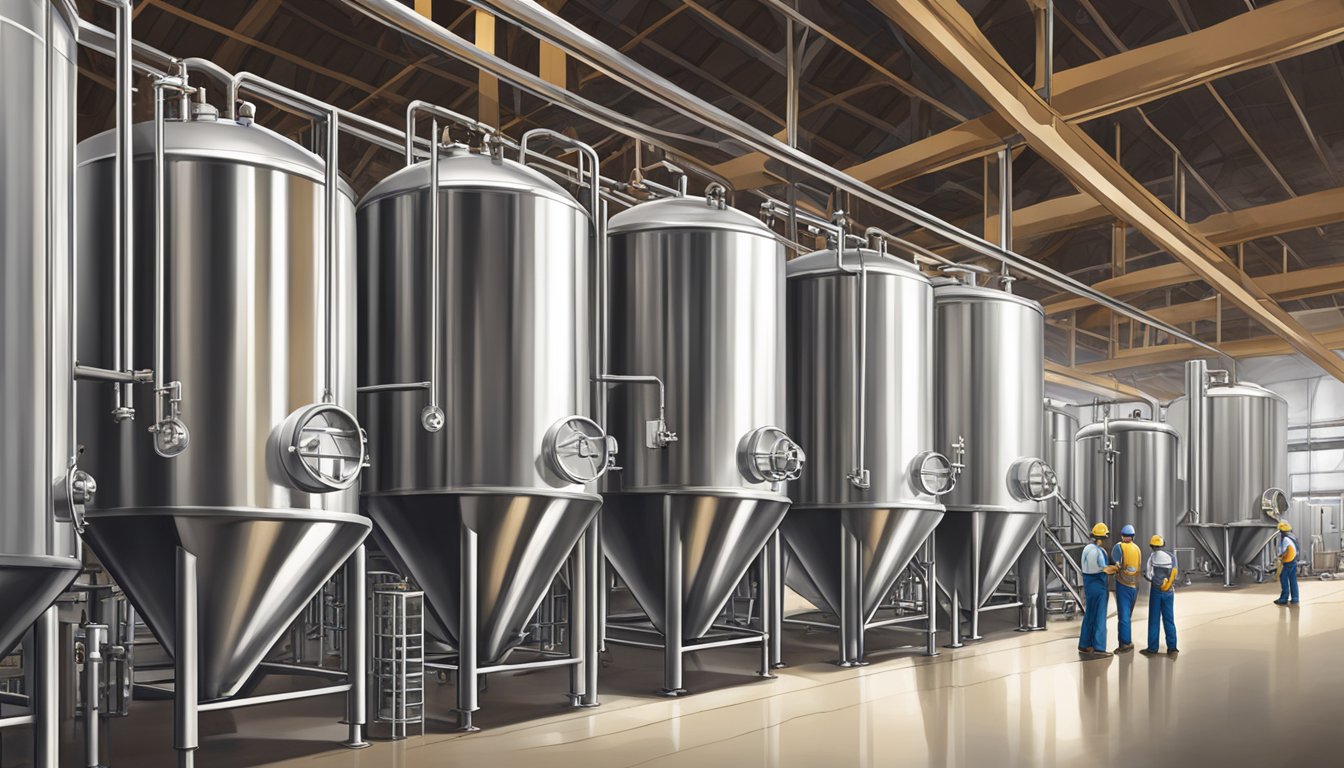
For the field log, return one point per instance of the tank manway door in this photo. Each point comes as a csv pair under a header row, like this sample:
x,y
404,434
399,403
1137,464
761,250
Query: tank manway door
x,y
1032,480
578,450
767,455
933,473
322,448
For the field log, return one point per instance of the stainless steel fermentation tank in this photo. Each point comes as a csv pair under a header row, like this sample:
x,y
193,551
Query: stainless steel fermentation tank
x,y
491,327
697,311
254,339
1236,465
37,542
869,499
1060,429
989,374
1126,475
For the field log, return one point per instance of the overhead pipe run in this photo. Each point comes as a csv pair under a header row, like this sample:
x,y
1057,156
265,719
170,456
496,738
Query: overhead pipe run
x,y
617,66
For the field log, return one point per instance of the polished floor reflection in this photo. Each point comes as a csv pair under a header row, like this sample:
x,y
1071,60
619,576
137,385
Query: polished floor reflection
x,y
1255,684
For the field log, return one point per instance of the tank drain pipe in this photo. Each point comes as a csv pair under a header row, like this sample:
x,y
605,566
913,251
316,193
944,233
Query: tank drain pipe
x,y
1196,388
331,194
122,373
170,433
859,476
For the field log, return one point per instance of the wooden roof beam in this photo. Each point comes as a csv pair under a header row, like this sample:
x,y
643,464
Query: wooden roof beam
x,y
947,31
1252,39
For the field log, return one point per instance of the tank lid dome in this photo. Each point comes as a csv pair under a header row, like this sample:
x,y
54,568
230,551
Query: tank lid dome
x,y
946,293
684,213
1243,389
823,263
225,140
1117,426
462,168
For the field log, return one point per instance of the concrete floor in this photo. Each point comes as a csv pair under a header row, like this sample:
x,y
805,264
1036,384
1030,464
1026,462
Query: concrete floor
x,y
1255,684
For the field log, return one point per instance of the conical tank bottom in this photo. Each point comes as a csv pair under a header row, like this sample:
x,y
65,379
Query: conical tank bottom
x,y
975,549
522,541
888,538
1247,541
29,584
720,536
256,569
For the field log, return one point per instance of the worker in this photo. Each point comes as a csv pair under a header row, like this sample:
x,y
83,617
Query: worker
x,y
1126,556
1161,573
1096,567
1287,565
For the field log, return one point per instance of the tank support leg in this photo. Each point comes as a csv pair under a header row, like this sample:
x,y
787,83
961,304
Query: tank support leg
x,y
45,702
954,614
674,603
93,672
1229,567
931,597
775,554
468,680
356,647
975,581
603,587
186,694
765,598
584,618
851,598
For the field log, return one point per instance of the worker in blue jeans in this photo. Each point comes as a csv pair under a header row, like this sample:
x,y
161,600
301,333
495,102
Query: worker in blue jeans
x,y
1096,567
1287,565
1161,573
1126,556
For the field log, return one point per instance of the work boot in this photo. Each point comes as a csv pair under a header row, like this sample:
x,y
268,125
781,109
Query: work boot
x,y
1280,602
1087,650
1149,652
1172,652
1126,648
1094,655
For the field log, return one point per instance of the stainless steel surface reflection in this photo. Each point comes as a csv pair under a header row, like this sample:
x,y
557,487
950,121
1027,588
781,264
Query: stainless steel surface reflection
x,y
892,517
990,392
244,334
37,89
513,360
697,299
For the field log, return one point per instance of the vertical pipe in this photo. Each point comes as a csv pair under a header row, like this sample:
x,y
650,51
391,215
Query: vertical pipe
x,y
1045,51
93,666
1196,378
1005,173
673,602
1229,567
356,646
186,695
954,616
977,543
160,297
46,679
331,192
791,121
467,675
435,257
123,329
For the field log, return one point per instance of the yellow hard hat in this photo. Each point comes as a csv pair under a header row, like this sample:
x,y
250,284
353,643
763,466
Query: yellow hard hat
x,y
1157,541
1100,531
1285,526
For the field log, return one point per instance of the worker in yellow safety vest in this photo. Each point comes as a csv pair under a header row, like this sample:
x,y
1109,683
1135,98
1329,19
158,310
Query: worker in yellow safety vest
x,y
1161,573
1126,557
1287,565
